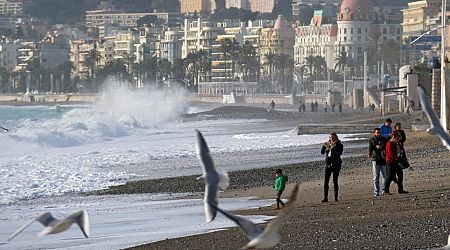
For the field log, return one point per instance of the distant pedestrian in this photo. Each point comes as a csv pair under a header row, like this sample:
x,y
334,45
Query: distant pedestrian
x,y
398,127
272,106
304,107
332,149
316,106
386,128
300,107
280,185
332,107
377,146
325,107
340,108
312,106
392,160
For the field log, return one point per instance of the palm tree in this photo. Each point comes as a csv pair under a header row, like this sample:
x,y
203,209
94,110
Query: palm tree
x,y
269,59
342,62
4,79
65,69
285,64
248,61
203,64
320,68
91,61
226,48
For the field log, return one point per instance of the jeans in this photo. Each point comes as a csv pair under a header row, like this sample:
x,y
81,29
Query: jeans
x,y
328,171
279,201
394,169
376,169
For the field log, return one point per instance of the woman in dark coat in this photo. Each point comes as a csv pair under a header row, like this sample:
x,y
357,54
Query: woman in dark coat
x,y
333,149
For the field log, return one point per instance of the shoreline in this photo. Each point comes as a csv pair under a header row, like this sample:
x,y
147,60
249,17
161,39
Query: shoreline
x,y
315,225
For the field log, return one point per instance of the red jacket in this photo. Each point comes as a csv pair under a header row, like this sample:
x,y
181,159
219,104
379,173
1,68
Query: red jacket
x,y
392,151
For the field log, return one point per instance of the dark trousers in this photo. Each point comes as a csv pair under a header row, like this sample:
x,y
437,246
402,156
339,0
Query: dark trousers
x,y
279,201
328,171
394,169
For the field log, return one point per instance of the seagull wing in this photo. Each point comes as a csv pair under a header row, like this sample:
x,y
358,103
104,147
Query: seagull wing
x,y
213,179
211,194
436,126
252,230
45,219
290,206
82,220
204,156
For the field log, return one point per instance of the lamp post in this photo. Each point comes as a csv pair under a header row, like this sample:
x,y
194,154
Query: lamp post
x,y
443,84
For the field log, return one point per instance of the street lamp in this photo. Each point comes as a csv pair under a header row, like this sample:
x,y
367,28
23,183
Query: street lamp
x,y
443,85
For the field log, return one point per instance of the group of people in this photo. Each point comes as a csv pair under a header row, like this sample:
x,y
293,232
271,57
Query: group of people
x,y
315,107
386,152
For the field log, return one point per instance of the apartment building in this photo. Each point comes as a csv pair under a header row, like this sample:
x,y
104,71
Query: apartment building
x,y
199,34
417,17
11,7
240,4
96,18
8,54
262,6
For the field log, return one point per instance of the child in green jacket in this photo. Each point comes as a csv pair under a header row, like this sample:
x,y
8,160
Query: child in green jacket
x,y
280,184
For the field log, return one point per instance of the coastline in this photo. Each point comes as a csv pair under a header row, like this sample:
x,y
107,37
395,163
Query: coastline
x,y
416,220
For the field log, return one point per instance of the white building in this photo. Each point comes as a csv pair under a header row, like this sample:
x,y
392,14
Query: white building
x,y
354,27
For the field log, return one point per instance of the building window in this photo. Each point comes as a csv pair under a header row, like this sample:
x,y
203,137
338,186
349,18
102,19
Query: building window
x,y
359,30
345,30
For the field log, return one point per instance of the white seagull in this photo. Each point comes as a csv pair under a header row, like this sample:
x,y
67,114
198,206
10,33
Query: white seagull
x,y
214,179
53,225
436,126
269,237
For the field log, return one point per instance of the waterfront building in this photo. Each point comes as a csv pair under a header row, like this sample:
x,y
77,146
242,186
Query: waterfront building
x,y
316,39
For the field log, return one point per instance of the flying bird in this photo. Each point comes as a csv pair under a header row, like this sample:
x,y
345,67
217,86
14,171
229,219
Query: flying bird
x,y
269,237
214,179
436,126
53,225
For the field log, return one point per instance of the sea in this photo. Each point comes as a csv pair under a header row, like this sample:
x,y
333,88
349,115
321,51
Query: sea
x,y
50,154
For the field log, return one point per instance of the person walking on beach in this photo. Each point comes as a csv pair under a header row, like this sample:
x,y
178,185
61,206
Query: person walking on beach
x,y
398,127
377,145
332,107
325,108
280,185
272,106
340,108
386,128
393,152
332,149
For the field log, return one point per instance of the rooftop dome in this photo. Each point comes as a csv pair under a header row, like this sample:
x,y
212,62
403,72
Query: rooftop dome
x,y
354,6
280,23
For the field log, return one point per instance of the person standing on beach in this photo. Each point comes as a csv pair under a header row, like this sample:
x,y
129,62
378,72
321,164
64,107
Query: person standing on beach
x,y
272,105
386,128
393,152
280,185
332,149
377,145
340,107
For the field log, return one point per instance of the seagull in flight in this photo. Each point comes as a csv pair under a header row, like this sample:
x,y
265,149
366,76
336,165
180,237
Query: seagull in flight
x,y
269,237
214,179
436,126
53,225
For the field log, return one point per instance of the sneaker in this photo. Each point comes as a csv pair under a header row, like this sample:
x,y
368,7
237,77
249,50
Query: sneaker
x,y
324,200
403,192
376,194
336,199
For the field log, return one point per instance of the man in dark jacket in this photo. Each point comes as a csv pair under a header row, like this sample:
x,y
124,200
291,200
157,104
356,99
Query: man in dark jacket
x,y
377,145
333,149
